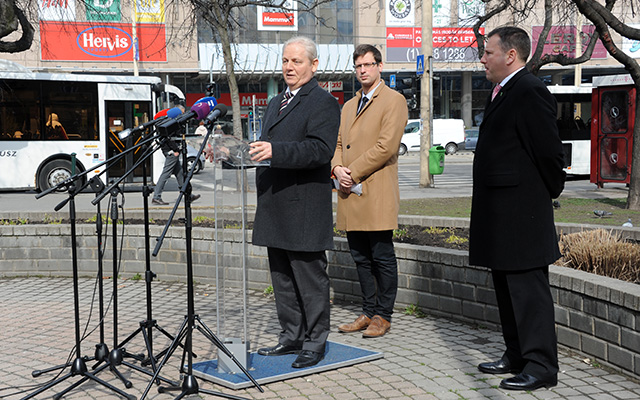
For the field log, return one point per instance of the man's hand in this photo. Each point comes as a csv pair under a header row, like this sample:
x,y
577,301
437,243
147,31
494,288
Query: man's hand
x,y
216,153
343,174
208,152
260,151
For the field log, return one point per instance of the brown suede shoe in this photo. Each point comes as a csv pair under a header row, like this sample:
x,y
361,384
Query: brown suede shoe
x,y
359,324
378,327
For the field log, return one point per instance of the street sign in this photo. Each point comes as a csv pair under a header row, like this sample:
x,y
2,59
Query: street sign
x,y
392,81
420,64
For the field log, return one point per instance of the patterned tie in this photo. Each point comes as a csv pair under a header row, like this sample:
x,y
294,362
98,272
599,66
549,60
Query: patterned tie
x,y
285,101
496,89
362,104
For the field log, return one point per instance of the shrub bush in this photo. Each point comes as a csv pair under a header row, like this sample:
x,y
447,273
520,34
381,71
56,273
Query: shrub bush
x,y
601,252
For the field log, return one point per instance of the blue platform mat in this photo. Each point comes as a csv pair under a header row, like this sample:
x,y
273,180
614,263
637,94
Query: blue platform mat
x,y
277,368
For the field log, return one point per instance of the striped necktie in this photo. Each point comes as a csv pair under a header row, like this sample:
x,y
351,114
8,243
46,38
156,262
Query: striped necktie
x,y
285,101
496,89
363,103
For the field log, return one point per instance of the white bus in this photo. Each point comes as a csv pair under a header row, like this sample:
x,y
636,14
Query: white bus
x,y
45,118
574,126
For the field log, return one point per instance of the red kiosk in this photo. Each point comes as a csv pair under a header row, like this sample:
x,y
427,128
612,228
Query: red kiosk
x,y
612,117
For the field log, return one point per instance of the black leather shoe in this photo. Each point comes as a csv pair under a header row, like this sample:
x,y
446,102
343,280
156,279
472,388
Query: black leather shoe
x,y
307,358
195,197
524,381
279,350
501,366
159,202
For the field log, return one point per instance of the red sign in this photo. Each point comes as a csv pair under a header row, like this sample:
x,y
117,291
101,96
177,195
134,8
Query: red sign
x,y
455,37
442,37
82,41
278,19
562,40
246,99
404,37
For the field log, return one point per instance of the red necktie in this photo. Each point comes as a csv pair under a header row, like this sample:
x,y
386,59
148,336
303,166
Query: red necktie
x,y
496,89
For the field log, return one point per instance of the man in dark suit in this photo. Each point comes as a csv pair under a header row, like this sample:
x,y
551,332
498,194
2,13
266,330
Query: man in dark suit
x,y
517,171
294,217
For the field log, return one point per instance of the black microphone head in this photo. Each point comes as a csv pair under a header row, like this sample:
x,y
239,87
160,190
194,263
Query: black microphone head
x,y
222,108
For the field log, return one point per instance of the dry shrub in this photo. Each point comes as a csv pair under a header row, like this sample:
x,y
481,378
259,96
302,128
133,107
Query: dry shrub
x,y
601,252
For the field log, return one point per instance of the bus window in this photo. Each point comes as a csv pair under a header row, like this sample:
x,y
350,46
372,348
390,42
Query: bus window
x,y
19,113
71,110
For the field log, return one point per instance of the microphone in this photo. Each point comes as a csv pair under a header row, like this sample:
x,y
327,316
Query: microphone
x,y
198,111
218,111
160,117
169,112
209,100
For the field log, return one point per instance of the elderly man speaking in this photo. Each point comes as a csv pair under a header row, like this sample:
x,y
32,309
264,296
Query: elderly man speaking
x,y
294,217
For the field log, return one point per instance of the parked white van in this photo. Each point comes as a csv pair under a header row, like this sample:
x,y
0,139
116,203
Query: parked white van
x,y
448,133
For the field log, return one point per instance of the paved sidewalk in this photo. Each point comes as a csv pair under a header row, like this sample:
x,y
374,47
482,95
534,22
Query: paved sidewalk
x,y
425,358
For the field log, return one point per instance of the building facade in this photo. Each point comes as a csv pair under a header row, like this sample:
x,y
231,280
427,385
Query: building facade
x,y
155,37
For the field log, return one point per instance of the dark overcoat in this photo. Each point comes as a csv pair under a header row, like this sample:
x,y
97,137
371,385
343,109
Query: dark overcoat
x,y
517,171
294,209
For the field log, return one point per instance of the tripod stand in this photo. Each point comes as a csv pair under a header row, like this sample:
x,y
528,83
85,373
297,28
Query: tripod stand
x,y
191,321
78,365
147,325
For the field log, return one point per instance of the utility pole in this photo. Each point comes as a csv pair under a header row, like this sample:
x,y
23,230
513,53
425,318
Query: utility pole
x,y
426,179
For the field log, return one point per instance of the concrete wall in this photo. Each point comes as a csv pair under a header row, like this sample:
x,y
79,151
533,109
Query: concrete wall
x,y
596,316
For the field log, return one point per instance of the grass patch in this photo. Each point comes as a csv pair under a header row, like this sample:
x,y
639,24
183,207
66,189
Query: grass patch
x,y
572,210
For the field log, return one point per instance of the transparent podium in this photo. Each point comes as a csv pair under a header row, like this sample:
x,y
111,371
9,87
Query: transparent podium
x,y
231,154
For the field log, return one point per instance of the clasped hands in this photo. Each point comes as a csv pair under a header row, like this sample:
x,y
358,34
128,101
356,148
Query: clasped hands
x,y
343,175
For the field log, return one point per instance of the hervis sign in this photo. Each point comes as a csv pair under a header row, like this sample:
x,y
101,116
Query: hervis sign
x,y
82,41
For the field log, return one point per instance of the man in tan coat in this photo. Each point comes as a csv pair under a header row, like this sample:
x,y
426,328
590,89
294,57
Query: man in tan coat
x,y
366,158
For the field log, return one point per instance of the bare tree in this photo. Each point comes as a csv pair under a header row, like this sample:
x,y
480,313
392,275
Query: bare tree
x,y
13,19
604,20
222,15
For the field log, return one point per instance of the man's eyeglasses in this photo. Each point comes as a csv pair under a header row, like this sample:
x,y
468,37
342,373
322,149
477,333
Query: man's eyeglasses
x,y
364,65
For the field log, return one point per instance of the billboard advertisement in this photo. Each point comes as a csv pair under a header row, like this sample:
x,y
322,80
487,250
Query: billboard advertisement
x,y
57,10
279,19
449,44
151,11
562,40
400,13
82,41
103,10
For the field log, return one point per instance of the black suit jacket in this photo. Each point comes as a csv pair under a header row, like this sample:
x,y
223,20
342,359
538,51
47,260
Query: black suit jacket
x,y
517,171
294,209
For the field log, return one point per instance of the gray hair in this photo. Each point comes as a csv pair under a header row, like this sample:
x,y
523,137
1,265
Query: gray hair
x,y
308,44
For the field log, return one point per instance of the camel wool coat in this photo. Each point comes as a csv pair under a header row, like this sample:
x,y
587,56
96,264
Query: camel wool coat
x,y
368,145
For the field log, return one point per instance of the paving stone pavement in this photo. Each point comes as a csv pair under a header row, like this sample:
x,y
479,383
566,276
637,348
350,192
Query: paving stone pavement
x,y
425,358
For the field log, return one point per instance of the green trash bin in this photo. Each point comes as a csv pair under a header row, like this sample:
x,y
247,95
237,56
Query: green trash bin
x,y
436,160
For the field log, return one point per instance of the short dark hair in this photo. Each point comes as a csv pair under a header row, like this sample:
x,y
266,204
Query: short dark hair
x,y
363,49
512,37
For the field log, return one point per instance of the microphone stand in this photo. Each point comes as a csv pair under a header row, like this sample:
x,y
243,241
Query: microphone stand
x,y
189,382
146,325
78,365
115,357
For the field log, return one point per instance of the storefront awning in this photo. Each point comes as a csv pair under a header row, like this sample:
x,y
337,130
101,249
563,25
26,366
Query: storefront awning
x,y
258,61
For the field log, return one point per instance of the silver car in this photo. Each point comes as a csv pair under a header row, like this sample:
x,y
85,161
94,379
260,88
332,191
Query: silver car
x,y
471,138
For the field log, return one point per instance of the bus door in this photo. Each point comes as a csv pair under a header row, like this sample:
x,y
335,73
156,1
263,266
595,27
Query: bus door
x,y
612,134
122,114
